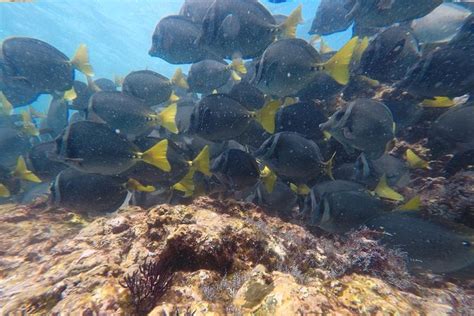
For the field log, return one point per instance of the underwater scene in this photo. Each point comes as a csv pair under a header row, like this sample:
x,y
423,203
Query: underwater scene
x,y
236,157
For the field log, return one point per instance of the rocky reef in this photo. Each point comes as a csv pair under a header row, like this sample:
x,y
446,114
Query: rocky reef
x,y
206,258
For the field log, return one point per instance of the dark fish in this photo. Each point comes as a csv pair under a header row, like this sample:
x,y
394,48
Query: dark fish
x,y
369,172
237,169
57,117
331,17
364,125
104,84
343,210
83,94
129,115
461,160
292,157
43,66
321,87
195,10
247,95
174,40
18,91
389,55
13,143
378,13
148,86
207,75
243,27
42,161
303,118
429,245
253,136
95,148
281,200
453,131
288,65
218,117
88,193
447,71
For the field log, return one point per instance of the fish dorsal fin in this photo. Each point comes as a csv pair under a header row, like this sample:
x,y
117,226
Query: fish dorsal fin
x,y
168,118
22,172
383,190
81,61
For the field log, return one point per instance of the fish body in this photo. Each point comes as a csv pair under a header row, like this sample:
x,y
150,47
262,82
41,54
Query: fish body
x,y
208,75
331,17
148,86
195,10
42,161
365,125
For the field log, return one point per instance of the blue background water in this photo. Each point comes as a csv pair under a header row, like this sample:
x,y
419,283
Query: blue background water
x,y
117,32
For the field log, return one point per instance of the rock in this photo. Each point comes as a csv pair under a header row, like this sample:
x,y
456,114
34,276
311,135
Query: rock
x,y
226,257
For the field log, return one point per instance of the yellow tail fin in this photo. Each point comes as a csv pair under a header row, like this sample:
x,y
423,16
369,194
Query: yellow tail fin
x,y
238,65
269,179
28,125
4,192
314,39
81,61
360,49
6,107
414,204
186,185
288,28
324,48
34,113
384,191
327,135
168,118
202,162
135,185
173,97
438,102
157,156
70,94
179,79
21,172
266,115
301,189
338,66
92,85
414,161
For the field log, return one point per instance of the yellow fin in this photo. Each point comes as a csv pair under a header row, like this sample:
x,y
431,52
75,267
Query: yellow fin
x,y
70,94
202,161
179,79
288,28
81,61
438,102
360,49
36,114
414,204
384,191
238,65
269,179
235,76
94,87
186,184
324,48
135,185
302,189
6,107
338,66
414,161
329,165
168,118
371,82
173,97
157,156
28,125
21,172
327,135
266,115
4,192
289,101
314,39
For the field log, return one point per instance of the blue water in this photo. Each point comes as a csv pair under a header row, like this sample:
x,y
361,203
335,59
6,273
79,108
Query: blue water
x,y
117,32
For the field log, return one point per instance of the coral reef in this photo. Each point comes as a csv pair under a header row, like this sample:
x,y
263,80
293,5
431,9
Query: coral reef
x,y
223,258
